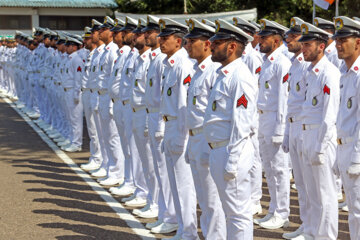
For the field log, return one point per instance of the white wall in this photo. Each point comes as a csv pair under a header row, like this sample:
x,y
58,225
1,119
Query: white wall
x,y
36,12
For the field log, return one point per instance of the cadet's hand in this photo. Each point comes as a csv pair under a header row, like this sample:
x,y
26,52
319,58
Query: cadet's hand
x,y
204,159
285,144
76,101
162,147
187,159
277,140
318,159
146,132
354,170
229,175
335,169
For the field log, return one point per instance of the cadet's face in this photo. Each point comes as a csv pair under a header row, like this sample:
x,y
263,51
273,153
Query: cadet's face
x,y
292,42
151,38
266,43
168,44
139,41
347,46
47,42
104,34
117,38
195,47
87,43
127,37
95,37
311,50
219,50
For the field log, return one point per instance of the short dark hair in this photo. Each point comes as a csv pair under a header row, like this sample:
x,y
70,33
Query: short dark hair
x,y
180,35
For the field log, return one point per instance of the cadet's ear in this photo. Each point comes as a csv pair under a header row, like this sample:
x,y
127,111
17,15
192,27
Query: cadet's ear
x,y
207,44
357,43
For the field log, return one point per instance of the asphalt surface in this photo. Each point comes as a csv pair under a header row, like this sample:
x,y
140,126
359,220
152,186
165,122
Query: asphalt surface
x,y
41,197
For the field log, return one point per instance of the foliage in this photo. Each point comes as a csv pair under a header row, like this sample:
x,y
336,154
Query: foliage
x,y
279,10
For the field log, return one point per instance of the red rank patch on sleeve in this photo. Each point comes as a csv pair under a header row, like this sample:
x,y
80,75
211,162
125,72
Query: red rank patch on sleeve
x,y
258,70
242,101
79,69
285,78
187,80
326,89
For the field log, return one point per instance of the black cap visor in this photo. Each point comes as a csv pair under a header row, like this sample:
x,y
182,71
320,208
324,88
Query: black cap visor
x,y
197,33
128,27
312,37
150,27
343,33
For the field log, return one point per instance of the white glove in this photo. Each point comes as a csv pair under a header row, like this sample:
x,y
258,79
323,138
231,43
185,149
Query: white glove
x,y
229,175
335,169
318,159
354,170
159,136
285,144
146,132
111,111
204,159
277,139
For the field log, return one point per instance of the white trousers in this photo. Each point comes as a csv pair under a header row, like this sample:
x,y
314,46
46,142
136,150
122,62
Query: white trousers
x,y
165,201
295,150
320,184
75,117
276,165
95,153
256,172
212,219
120,124
143,146
136,165
181,183
235,194
115,166
351,187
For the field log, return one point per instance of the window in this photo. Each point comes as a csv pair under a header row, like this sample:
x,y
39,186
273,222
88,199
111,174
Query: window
x,y
15,22
67,22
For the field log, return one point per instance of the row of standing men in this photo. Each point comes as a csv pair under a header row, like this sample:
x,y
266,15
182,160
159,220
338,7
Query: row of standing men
x,y
179,114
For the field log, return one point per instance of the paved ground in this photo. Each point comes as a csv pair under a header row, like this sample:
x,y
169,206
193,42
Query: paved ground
x,y
42,198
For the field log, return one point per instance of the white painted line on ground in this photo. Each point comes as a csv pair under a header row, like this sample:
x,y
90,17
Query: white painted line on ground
x,y
124,214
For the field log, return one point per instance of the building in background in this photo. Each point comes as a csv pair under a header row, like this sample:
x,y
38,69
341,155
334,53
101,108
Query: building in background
x,y
67,15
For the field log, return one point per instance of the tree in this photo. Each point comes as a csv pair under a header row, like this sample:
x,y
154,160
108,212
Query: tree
x,y
279,10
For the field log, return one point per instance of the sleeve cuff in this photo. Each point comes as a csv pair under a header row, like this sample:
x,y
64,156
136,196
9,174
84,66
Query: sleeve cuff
x,y
355,157
279,129
231,165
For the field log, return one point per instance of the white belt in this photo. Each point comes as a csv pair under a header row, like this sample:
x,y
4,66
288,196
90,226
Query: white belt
x,y
168,118
219,144
346,140
152,110
102,92
136,109
293,119
310,126
195,131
